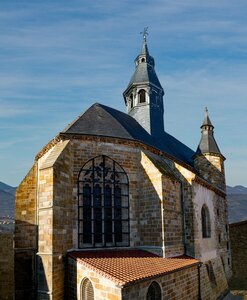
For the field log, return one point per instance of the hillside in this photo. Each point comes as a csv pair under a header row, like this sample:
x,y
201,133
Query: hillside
x,y
7,188
7,196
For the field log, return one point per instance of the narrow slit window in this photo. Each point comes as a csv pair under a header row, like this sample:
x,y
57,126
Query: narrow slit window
x,y
206,226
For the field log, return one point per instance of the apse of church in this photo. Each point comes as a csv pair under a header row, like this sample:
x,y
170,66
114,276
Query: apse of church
x,y
115,207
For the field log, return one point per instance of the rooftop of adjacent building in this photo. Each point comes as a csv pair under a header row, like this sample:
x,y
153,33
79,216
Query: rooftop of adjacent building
x,y
126,266
241,223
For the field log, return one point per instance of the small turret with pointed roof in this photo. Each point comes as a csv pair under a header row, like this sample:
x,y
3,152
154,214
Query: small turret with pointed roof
x,y
144,94
208,159
207,143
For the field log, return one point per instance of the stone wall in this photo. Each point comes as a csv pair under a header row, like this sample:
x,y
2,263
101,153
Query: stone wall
x,y
187,177
238,238
211,167
103,288
205,248
180,285
54,220
25,236
151,229
6,266
214,284
213,251
128,158
155,195
173,217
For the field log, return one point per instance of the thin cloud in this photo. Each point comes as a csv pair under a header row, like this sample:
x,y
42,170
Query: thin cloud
x,y
8,110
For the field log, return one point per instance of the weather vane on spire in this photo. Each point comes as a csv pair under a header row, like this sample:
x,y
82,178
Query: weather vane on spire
x,y
144,33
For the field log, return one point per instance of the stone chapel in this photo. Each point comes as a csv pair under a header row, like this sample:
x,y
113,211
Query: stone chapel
x,y
114,207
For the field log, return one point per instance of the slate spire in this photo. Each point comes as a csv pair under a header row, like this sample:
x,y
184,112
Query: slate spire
x,y
207,143
144,49
144,93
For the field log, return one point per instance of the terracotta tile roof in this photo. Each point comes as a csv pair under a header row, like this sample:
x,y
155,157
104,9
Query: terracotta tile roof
x,y
128,266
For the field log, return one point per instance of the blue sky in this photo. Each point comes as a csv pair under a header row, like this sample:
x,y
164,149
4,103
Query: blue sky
x,y
59,57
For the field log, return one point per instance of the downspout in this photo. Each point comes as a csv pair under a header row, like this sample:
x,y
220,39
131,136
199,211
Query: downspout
x,y
199,281
163,228
183,215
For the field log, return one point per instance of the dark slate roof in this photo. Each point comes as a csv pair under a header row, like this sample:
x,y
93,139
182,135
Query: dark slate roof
x,y
101,120
144,50
144,73
207,143
206,121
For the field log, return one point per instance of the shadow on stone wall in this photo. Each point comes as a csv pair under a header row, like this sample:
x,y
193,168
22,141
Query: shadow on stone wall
x,y
6,264
25,270
71,279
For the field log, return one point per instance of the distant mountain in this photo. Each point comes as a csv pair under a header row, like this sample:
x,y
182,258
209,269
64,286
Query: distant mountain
x,y
237,203
7,188
7,200
236,190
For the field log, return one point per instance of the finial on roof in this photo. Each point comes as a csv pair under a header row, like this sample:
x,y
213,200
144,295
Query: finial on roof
x,y
144,34
206,119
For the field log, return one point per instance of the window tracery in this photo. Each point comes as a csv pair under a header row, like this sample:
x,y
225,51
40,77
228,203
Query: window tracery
x,y
103,204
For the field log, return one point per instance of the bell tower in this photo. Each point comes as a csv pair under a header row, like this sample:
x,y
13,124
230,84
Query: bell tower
x,y
144,95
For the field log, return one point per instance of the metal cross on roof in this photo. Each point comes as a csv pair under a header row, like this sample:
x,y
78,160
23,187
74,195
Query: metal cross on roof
x,y
144,33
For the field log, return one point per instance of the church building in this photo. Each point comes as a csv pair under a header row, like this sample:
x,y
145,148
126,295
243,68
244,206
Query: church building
x,y
114,207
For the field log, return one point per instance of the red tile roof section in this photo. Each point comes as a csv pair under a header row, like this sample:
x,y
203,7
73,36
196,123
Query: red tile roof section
x,y
128,266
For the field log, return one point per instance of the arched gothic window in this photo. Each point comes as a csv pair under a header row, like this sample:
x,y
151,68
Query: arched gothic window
x,y
154,291
142,96
206,227
103,204
87,292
